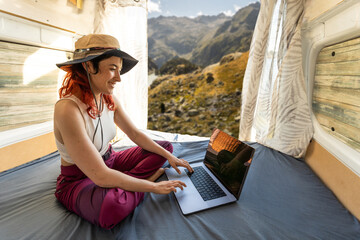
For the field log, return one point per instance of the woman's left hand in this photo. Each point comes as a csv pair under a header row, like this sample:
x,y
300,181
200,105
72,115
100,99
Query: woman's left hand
x,y
175,162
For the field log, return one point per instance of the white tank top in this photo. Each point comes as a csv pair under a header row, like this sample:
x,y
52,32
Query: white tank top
x,y
107,121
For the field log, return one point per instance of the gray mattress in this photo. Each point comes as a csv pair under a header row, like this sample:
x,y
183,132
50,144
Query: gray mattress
x,y
281,199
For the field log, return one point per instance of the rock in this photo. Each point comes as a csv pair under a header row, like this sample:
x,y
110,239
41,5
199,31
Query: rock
x,y
197,71
210,101
157,81
227,58
162,108
209,78
187,119
191,131
193,112
201,77
202,117
230,57
192,85
181,100
178,113
211,123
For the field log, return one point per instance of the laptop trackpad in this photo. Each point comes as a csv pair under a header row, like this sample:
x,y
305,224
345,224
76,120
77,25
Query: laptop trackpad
x,y
190,199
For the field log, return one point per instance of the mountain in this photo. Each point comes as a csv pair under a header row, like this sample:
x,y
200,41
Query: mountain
x,y
178,36
196,102
152,67
177,66
202,40
232,36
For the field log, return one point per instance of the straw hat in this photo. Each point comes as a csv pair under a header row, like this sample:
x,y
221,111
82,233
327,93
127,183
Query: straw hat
x,y
94,45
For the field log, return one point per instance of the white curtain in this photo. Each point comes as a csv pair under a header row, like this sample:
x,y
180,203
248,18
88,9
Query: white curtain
x,y
275,110
127,21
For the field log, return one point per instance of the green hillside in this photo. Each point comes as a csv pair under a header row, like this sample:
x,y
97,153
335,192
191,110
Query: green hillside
x,y
196,102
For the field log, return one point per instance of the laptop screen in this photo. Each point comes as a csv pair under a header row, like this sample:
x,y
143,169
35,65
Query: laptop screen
x,y
229,159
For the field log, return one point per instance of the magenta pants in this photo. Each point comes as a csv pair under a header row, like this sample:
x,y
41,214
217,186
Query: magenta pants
x,y
106,207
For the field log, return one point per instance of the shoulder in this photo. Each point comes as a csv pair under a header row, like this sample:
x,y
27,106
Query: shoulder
x,y
118,106
66,105
116,101
68,119
66,109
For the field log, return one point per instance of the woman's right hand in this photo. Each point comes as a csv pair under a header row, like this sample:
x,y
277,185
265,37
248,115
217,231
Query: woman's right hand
x,y
165,187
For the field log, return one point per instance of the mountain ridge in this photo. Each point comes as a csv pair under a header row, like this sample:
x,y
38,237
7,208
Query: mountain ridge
x,y
202,40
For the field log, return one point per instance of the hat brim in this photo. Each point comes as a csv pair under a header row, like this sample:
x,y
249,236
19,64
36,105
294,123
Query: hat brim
x,y
128,61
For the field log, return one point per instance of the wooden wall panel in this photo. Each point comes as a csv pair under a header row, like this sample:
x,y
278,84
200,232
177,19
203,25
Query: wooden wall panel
x,y
336,91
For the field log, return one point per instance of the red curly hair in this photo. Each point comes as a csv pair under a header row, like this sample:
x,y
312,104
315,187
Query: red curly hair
x,y
76,81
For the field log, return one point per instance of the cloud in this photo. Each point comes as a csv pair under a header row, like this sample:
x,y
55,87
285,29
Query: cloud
x,y
153,6
228,13
198,14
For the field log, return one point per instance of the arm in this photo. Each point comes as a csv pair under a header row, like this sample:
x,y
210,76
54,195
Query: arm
x,y
142,140
69,122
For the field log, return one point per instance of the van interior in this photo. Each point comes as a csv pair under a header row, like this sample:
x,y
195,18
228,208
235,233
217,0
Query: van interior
x,y
306,187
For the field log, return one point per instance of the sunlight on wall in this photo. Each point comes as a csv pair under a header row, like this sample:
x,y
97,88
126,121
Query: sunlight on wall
x,y
36,65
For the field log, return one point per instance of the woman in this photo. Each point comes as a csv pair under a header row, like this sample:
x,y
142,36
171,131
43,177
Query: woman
x,y
97,183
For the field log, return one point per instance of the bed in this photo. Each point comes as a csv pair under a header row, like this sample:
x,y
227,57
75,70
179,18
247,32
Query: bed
x,y
282,199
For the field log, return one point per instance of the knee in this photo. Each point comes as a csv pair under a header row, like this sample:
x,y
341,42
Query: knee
x,y
118,206
167,145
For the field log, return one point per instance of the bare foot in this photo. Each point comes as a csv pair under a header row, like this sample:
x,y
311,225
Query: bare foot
x,y
156,175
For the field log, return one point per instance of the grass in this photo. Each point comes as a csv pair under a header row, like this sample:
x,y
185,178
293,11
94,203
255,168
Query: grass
x,y
196,93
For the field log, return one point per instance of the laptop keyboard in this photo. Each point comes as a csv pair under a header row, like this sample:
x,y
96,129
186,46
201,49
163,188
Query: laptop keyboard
x,y
206,186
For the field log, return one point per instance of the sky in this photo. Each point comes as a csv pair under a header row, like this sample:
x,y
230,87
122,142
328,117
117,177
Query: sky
x,y
194,8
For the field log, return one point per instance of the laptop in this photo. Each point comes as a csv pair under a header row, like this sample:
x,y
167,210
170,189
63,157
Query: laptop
x,y
218,179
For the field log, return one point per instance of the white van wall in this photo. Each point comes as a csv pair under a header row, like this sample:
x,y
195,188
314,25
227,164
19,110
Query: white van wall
x,y
338,166
60,14
315,8
44,24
